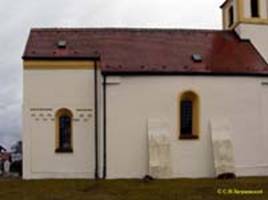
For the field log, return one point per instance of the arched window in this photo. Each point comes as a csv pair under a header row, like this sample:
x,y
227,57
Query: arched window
x,y
189,115
255,8
64,131
231,16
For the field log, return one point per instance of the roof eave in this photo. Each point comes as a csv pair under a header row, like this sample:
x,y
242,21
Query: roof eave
x,y
224,3
176,73
93,58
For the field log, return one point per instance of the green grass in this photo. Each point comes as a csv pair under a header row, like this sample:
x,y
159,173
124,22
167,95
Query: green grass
x,y
177,189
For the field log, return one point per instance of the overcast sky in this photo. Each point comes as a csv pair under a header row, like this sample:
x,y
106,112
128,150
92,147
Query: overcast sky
x,y
17,17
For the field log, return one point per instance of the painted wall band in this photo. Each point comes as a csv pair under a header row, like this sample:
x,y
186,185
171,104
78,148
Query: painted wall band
x,y
57,64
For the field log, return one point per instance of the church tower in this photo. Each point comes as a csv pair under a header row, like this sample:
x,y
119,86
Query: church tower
x,y
249,18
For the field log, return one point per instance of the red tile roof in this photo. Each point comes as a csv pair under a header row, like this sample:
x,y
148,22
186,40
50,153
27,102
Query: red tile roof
x,y
150,50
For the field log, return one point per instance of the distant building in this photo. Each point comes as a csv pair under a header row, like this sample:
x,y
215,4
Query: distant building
x,y
4,156
89,94
2,149
16,151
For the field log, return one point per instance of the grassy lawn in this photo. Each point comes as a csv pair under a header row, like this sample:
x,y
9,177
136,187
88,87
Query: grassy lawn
x,y
184,189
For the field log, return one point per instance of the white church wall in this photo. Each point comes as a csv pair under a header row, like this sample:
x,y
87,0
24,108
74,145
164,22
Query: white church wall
x,y
46,91
246,9
263,9
132,101
266,9
256,33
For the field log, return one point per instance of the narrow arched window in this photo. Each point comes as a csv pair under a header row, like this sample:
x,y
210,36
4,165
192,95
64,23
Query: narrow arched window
x,y
255,8
64,131
231,16
189,115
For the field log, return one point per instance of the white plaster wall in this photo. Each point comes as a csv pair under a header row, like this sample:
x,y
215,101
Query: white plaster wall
x,y
55,89
266,9
130,103
263,9
257,34
247,9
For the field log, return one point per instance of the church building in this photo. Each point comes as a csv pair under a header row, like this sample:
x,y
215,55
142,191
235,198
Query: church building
x,y
126,103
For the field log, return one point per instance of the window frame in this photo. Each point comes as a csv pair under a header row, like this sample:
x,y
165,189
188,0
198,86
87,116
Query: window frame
x,y
63,112
192,96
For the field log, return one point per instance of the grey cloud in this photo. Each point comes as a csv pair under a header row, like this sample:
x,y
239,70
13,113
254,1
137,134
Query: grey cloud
x,y
17,17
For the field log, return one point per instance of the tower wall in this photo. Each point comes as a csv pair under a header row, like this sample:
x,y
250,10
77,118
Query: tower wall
x,y
242,13
248,27
257,34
